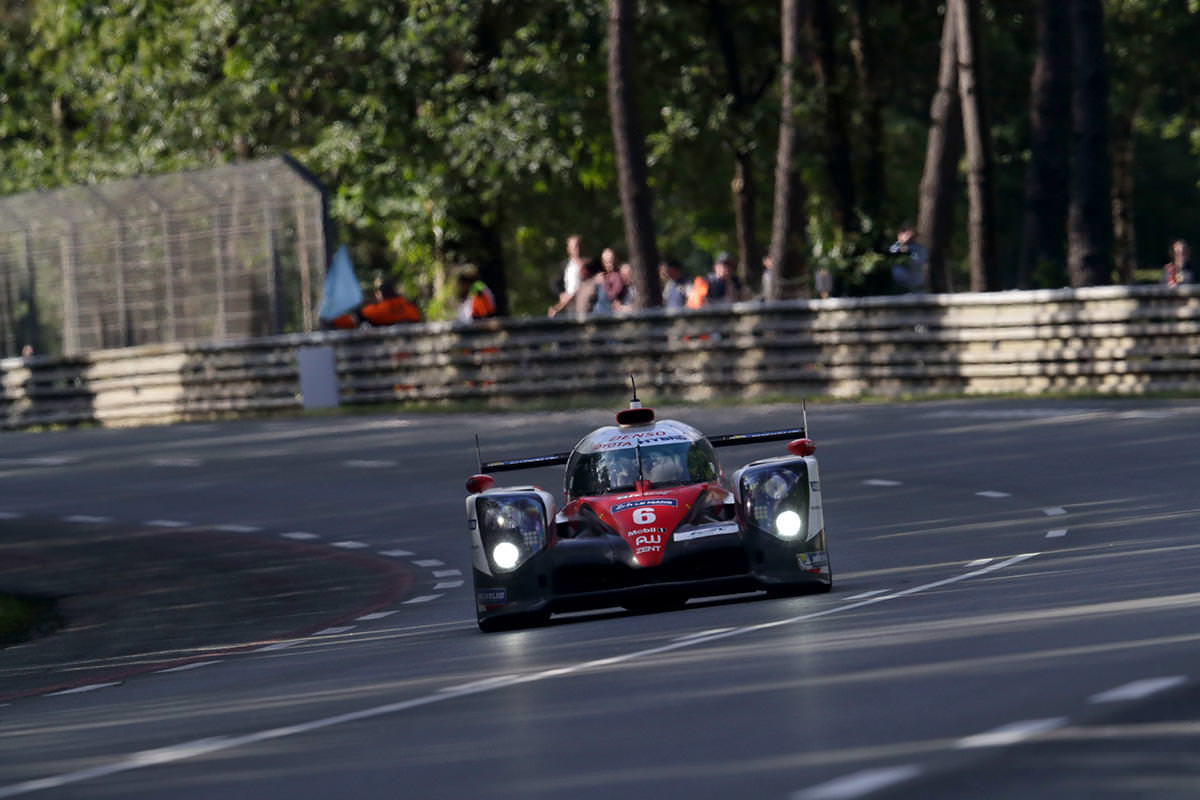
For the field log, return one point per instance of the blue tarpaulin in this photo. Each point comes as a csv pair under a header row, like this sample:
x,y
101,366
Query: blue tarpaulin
x,y
342,292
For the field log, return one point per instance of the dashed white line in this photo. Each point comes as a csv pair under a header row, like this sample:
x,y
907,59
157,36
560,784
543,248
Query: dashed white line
x,y
350,545
446,573
51,461
300,536
979,562
396,553
85,519
448,585
993,494
1056,511
335,630
709,632
365,463
91,687
424,598
186,667
278,646
1138,690
859,784
429,562
143,758
165,523
176,462
1057,533
1012,733
881,482
11,515
235,528
376,615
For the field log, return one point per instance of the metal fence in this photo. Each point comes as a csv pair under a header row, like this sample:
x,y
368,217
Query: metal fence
x,y
208,255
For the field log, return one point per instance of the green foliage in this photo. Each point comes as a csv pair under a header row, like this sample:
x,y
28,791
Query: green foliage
x,y
477,130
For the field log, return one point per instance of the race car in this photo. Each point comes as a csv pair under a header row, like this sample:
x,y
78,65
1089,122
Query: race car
x,y
648,521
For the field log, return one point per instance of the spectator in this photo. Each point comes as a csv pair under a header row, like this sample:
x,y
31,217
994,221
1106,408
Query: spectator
x,y
768,277
475,299
571,275
723,285
823,282
591,286
612,285
628,297
908,273
1178,270
390,307
675,293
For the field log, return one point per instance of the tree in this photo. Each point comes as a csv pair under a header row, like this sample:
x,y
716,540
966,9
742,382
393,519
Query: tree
x,y
1046,177
985,275
1089,218
936,208
630,150
787,184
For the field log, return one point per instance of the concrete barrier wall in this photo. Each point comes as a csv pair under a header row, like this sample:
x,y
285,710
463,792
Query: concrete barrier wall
x,y
1102,339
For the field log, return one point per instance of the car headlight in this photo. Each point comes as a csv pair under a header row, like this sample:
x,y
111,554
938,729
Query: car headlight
x,y
512,527
775,499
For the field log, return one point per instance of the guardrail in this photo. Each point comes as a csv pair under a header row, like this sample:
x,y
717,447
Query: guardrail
x,y
1107,339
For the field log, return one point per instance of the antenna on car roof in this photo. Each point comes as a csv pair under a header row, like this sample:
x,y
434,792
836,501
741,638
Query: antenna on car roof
x,y
804,415
478,457
634,403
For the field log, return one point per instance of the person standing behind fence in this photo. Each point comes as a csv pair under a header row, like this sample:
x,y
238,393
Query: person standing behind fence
x,y
1178,270
571,275
390,307
591,287
674,291
628,298
908,273
475,299
723,285
612,285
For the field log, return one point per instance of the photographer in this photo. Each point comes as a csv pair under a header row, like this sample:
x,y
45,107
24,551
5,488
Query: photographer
x,y
908,273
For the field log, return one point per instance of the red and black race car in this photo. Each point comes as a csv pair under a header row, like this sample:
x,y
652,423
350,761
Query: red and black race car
x,y
649,521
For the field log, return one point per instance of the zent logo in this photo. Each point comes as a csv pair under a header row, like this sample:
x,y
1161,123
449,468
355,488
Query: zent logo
x,y
644,516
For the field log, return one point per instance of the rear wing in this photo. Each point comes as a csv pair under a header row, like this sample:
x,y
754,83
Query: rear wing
x,y
725,440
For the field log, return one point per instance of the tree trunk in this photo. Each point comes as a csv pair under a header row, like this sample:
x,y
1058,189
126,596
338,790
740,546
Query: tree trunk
x,y
985,272
1089,217
631,155
935,217
749,267
873,181
1124,234
1045,225
837,136
787,182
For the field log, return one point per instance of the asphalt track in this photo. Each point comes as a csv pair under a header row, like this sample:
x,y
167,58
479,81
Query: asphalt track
x,y
1014,615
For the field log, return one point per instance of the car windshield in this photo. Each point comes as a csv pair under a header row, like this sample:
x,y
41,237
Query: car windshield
x,y
608,471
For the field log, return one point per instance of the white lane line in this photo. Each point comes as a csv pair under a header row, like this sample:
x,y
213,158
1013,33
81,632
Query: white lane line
x,y
448,585
270,649
395,553
176,462
424,598
881,482
447,573
350,545
1012,733
483,685
375,616
1057,533
871,593
979,562
300,536
188,750
51,461
186,667
429,562
1056,511
366,463
91,687
335,630
84,519
859,784
1138,690
235,528
11,515
708,632
993,494
165,523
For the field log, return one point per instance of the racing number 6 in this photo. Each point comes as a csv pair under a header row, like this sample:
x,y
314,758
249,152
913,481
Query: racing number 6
x,y
643,516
